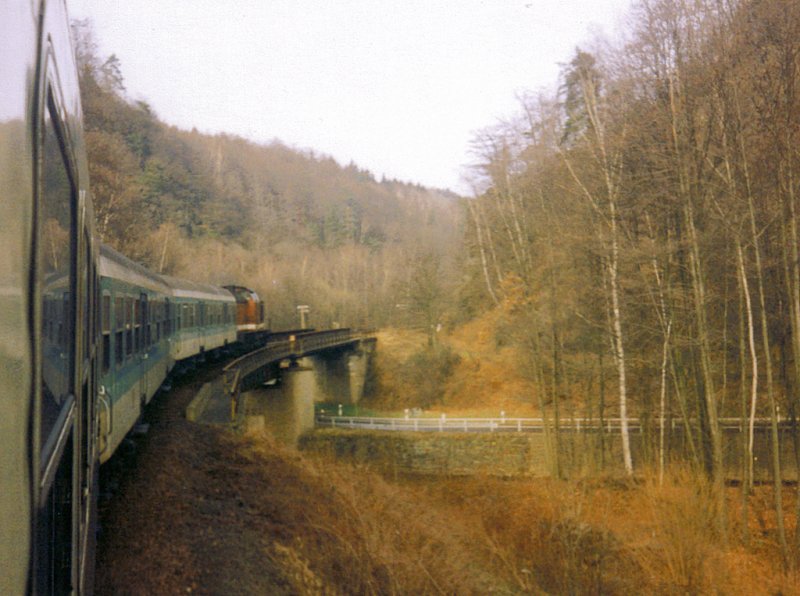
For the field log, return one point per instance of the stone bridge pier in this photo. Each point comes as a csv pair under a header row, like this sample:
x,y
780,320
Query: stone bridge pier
x,y
337,376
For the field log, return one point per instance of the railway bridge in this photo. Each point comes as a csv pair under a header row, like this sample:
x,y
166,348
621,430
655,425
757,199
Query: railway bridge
x,y
313,366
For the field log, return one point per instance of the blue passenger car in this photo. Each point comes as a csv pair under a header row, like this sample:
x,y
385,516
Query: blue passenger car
x,y
204,317
135,330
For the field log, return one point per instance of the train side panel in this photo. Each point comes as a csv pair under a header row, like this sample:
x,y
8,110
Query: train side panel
x,y
18,43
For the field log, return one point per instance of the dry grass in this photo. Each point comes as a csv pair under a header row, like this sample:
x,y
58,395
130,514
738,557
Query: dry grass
x,y
349,530
214,513
617,536
247,515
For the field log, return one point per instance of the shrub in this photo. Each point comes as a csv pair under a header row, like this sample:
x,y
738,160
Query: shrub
x,y
426,373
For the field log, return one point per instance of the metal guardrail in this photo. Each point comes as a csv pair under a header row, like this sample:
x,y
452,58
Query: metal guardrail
x,y
505,424
296,346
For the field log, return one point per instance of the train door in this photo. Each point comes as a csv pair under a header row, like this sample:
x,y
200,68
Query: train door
x,y
59,412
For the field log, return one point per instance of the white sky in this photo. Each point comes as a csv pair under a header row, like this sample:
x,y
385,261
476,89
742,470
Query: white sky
x,y
399,87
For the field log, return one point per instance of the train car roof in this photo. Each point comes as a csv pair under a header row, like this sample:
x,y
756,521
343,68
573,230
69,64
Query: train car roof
x,y
115,265
183,288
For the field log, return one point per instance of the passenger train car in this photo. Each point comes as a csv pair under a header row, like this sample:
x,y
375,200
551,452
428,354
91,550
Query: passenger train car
x,y
205,317
135,355
86,335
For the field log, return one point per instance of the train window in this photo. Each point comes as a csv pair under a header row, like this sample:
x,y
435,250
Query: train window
x,y
119,336
119,313
86,322
128,326
155,313
56,256
144,316
105,327
137,326
105,315
167,319
46,327
94,291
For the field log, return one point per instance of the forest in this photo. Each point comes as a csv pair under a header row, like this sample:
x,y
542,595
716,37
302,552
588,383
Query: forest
x,y
637,227
642,224
296,226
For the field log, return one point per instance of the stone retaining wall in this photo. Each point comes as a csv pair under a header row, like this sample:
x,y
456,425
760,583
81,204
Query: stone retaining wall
x,y
514,454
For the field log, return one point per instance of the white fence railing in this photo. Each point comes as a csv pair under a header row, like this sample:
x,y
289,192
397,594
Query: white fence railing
x,y
505,424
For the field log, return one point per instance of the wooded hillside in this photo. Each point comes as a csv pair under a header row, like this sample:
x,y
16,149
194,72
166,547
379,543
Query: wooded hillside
x,y
297,227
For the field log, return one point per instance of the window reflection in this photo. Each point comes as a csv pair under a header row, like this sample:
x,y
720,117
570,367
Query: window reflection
x,y
55,265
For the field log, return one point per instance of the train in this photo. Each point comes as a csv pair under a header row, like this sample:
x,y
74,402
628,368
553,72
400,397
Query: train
x,y
148,323
87,336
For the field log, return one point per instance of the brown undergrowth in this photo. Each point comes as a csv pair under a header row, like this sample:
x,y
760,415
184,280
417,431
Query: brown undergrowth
x,y
619,536
211,512
203,510
354,532
358,533
475,376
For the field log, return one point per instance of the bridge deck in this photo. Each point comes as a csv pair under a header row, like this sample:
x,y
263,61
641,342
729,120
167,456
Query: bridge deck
x,y
217,402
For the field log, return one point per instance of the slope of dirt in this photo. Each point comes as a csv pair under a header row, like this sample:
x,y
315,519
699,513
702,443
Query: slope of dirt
x,y
202,510
183,518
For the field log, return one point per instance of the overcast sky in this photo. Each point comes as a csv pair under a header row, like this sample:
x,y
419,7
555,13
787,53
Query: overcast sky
x,y
399,87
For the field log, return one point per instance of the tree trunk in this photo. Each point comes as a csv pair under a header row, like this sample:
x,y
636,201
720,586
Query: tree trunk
x,y
751,342
707,394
